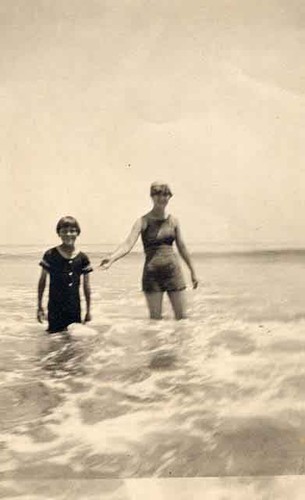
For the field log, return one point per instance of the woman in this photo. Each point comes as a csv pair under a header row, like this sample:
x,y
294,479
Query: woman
x,y
162,272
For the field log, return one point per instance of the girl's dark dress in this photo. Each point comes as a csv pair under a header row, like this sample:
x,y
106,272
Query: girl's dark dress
x,y
64,299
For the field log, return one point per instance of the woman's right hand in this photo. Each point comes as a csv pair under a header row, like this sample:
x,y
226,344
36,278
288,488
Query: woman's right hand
x,y
105,263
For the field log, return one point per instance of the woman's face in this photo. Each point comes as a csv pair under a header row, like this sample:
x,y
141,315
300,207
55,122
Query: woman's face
x,y
161,198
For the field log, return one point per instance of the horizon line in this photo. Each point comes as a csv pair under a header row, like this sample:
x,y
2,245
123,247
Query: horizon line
x,y
229,250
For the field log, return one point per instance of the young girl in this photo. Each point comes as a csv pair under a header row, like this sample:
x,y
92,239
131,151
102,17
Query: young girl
x,y
65,265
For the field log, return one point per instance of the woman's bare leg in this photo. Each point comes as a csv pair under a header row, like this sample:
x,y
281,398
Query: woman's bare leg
x,y
154,303
178,301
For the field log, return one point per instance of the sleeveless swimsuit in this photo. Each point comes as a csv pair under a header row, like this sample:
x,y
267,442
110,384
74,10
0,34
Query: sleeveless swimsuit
x,y
162,271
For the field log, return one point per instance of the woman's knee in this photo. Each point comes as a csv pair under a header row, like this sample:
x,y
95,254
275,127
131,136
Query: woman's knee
x,y
178,304
154,303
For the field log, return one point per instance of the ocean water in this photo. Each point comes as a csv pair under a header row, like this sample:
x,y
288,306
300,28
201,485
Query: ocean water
x,y
218,394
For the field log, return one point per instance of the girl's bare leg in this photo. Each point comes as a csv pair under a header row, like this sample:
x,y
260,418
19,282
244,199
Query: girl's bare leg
x,y
154,303
178,301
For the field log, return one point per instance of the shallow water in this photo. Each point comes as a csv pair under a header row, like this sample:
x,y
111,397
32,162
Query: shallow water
x,y
218,394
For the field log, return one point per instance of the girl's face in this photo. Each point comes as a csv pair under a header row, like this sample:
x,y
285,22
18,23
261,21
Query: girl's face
x,y
68,235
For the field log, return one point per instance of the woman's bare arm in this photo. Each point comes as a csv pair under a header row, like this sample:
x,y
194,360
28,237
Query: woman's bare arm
x,y
185,254
125,247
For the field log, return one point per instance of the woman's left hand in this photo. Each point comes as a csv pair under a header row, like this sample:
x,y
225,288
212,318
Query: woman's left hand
x,y
194,281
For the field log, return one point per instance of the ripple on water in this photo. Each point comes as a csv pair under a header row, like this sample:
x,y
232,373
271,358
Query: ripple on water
x,y
175,454
259,446
104,405
206,393
293,387
234,341
105,465
41,434
235,447
9,491
290,345
43,469
163,360
115,373
24,402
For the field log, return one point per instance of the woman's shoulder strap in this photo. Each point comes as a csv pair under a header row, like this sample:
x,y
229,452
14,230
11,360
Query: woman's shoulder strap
x,y
173,220
144,222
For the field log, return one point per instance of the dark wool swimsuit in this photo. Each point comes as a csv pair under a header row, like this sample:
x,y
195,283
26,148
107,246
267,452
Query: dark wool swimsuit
x,y
162,272
64,299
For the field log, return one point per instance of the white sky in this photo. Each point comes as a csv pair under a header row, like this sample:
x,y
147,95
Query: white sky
x,y
101,97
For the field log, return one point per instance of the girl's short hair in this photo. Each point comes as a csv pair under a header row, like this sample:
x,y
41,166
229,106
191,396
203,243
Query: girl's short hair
x,y
67,221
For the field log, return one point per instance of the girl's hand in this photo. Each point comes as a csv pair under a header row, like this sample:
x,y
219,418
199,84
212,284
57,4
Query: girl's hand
x,y
106,263
87,317
40,315
194,281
